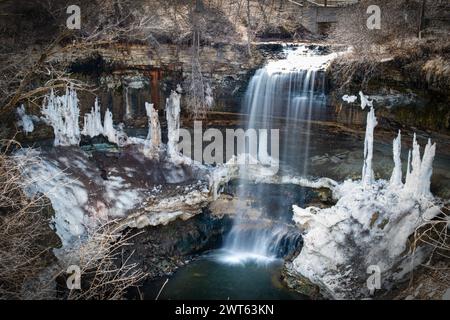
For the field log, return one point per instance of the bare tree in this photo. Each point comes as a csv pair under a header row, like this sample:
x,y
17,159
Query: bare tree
x,y
249,30
195,98
106,273
26,239
39,56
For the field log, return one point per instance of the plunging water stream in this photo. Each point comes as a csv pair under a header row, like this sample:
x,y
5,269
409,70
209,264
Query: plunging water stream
x,y
292,89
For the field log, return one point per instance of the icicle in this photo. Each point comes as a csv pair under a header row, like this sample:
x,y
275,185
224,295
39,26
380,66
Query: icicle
x,y
25,121
426,170
62,113
128,111
413,177
408,167
367,172
93,122
418,180
209,96
365,101
108,130
173,123
153,143
396,178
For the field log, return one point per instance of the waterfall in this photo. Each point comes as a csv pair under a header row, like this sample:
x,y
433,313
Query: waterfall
x,y
285,94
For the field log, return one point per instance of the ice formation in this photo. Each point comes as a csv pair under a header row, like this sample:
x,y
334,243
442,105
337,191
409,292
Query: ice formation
x,y
349,99
93,122
93,126
173,124
396,178
368,226
128,110
153,141
209,96
367,172
418,175
258,172
67,195
62,113
108,128
365,101
25,121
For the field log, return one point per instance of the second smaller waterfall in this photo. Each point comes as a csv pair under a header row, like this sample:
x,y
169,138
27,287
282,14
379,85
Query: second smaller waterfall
x,y
250,241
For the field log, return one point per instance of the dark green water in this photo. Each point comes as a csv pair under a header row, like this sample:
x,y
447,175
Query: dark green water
x,y
210,278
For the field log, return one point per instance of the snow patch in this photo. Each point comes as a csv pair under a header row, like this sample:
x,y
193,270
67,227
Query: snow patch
x,y
349,99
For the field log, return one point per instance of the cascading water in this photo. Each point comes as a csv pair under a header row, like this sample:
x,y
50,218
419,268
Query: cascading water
x,y
285,94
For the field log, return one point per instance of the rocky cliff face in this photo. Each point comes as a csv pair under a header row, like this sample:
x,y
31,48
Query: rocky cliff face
x,y
407,91
134,72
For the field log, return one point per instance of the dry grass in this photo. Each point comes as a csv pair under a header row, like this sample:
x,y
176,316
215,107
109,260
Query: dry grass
x,y
435,233
433,278
25,236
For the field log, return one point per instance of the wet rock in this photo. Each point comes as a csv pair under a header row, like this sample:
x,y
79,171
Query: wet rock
x,y
227,205
100,139
300,284
161,249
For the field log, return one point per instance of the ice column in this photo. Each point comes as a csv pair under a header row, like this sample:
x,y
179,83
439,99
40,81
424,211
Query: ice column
x,y
396,178
153,142
173,123
367,172
93,122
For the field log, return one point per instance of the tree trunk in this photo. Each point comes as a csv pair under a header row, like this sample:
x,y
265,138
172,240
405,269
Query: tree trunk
x,y
249,30
422,14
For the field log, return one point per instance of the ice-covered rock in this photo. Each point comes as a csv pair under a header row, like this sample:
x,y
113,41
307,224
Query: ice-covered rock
x,y
365,101
368,228
247,168
83,196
